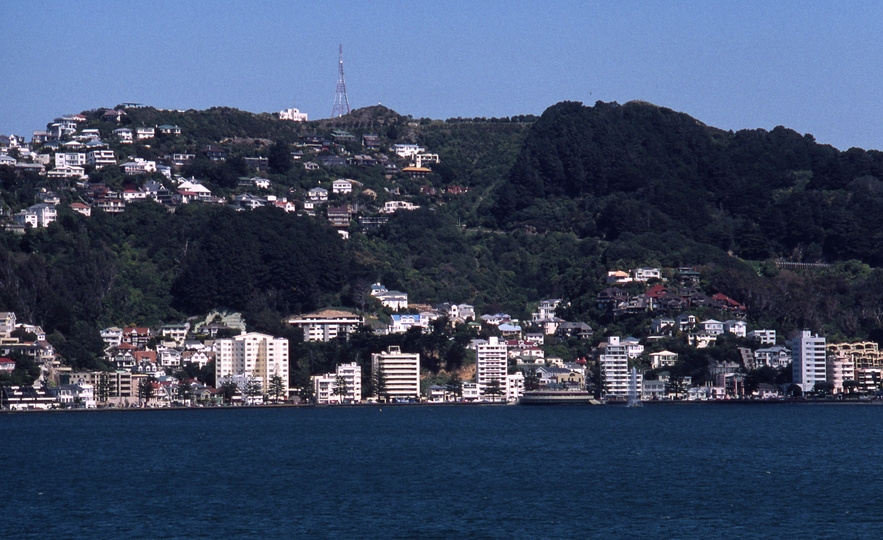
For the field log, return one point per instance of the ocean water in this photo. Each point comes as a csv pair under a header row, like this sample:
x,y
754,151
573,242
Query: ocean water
x,y
661,471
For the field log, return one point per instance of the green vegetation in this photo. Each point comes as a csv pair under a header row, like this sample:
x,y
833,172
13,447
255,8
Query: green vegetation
x,y
552,204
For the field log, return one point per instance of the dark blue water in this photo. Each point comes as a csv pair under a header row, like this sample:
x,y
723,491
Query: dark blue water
x,y
666,471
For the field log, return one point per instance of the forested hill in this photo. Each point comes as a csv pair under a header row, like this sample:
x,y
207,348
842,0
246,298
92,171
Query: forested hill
x,y
637,168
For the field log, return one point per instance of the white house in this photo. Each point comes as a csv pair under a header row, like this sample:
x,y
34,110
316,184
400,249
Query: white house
x,y
124,135
69,159
138,166
390,207
735,327
318,194
646,274
403,322
633,347
663,359
38,215
342,186
774,357
142,133
100,158
764,337
407,150
712,327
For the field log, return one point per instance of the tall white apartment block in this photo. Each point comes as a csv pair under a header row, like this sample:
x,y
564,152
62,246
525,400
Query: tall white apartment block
x,y
491,363
401,372
614,364
257,355
808,360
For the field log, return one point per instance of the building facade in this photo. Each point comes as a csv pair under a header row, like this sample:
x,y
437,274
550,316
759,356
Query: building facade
x,y
808,360
491,364
614,364
260,356
401,372
326,324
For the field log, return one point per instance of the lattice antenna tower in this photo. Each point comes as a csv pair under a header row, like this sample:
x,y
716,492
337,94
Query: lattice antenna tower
x,y
341,103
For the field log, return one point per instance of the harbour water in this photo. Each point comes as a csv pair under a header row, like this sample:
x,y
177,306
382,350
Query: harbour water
x,y
663,471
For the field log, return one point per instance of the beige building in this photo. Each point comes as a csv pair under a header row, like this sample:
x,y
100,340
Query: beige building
x,y
864,355
257,355
839,369
401,372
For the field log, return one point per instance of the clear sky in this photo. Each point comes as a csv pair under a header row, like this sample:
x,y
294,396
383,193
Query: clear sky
x,y
811,66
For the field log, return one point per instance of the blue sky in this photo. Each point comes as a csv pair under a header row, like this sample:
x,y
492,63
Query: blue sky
x,y
812,66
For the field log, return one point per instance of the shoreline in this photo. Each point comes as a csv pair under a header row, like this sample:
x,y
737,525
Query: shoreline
x,y
449,404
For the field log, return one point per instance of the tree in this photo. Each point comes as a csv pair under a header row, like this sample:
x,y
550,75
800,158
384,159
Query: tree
x,y
306,393
378,381
277,388
531,380
823,388
145,390
455,385
493,389
229,390
675,386
103,387
340,388
253,389
279,158
184,392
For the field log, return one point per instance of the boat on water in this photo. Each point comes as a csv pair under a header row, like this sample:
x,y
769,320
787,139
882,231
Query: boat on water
x,y
557,397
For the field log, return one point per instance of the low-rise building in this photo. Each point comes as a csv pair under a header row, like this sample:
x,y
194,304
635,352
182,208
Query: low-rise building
x,y
342,386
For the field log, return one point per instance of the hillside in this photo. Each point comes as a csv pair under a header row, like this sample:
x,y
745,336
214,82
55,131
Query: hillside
x,y
543,209
611,169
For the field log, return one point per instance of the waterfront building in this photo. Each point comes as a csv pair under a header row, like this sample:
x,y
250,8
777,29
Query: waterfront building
x,y
325,387
865,354
491,364
808,360
401,372
838,370
614,364
260,356
514,386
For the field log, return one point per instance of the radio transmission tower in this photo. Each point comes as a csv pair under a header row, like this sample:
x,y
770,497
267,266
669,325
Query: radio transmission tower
x,y
341,103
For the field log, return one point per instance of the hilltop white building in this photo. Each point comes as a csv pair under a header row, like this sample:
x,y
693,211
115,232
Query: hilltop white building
x,y
292,114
